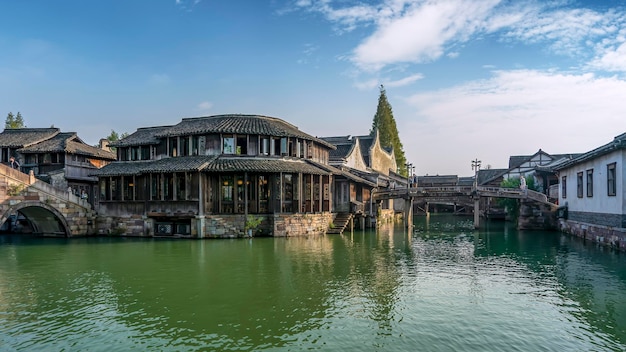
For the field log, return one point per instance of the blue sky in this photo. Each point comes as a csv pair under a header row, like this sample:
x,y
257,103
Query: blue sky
x,y
466,79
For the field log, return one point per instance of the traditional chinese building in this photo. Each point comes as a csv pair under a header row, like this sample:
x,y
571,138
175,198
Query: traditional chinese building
x,y
213,176
59,158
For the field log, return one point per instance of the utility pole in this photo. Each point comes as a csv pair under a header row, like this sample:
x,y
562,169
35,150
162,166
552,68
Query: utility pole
x,y
476,167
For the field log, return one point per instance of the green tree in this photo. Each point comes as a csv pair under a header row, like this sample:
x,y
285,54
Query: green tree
x,y
114,136
388,131
512,205
14,121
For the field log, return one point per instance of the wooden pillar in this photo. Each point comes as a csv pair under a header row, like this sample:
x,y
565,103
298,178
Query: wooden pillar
x,y
476,213
408,212
201,190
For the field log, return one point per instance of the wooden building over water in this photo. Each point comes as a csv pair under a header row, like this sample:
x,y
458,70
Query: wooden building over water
x,y
213,176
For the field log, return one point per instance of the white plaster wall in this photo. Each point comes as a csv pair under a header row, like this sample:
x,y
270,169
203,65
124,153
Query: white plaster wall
x,y
600,202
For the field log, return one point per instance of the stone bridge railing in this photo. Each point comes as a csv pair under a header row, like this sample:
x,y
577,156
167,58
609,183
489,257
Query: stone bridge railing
x,y
24,192
461,191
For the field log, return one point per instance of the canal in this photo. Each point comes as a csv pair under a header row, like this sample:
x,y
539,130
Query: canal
x,y
442,287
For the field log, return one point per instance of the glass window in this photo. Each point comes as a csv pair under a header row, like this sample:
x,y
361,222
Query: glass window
x,y
228,146
564,187
156,187
242,145
184,146
195,143
283,146
145,152
134,153
590,183
287,192
104,185
181,189
611,180
579,185
227,193
129,188
115,192
264,193
168,186
264,147
173,146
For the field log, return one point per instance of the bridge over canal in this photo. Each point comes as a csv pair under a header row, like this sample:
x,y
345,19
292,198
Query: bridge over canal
x,y
40,208
459,195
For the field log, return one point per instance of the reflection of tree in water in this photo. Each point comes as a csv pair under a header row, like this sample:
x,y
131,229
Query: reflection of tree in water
x,y
371,271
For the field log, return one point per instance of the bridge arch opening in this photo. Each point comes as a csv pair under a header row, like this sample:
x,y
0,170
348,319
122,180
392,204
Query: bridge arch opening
x,y
35,218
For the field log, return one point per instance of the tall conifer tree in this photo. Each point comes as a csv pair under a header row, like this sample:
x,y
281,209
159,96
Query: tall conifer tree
x,y
388,131
14,121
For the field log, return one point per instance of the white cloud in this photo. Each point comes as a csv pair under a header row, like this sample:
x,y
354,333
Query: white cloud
x,y
375,82
205,105
514,112
421,31
613,60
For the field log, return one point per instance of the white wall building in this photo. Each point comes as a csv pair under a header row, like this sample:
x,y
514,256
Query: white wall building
x,y
593,187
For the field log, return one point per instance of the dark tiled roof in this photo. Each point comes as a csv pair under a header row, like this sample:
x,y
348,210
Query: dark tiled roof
x,y
240,164
209,164
487,175
366,144
343,144
243,124
69,143
619,142
20,137
344,172
178,164
143,136
341,152
338,140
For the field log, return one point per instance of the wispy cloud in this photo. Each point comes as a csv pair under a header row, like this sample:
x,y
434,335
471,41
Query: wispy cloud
x,y
502,114
422,31
375,82
205,105
187,5
307,52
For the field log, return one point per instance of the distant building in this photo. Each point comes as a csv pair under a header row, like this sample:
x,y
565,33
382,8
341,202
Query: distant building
x,y
365,166
59,158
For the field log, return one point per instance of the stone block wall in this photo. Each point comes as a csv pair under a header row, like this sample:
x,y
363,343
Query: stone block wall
x,y
386,216
287,225
614,237
536,216
131,225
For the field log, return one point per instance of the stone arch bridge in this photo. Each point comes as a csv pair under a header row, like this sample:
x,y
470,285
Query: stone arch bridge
x,y
36,207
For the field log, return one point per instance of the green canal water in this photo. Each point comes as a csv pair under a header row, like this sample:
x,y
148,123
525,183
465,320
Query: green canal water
x,y
442,287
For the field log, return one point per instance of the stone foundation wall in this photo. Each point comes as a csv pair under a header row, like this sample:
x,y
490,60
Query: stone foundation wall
x,y
222,226
614,237
386,216
132,225
536,216
287,225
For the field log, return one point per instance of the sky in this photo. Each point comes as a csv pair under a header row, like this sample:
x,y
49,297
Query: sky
x,y
466,79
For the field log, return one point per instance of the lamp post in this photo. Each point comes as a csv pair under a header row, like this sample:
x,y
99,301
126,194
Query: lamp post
x,y
476,167
409,172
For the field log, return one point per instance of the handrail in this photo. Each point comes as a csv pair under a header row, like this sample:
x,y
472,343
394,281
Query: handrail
x,y
480,190
43,187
